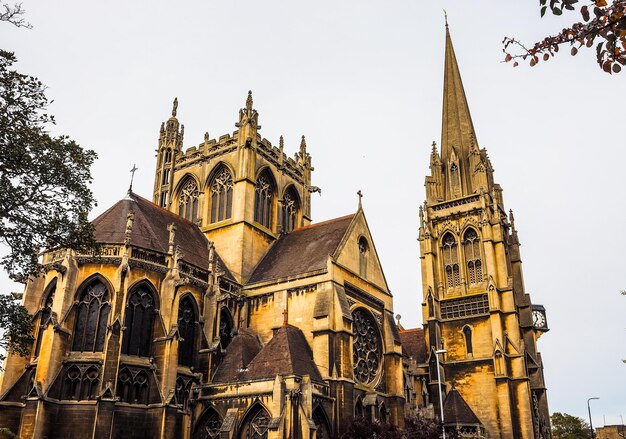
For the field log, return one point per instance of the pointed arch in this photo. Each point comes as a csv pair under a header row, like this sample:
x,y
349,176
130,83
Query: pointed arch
x,y
358,408
498,363
92,315
467,336
290,209
264,198
322,423
188,193
44,314
220,190
208,425
141,308
382,413
226,327
187,319
255,423
364,249
473,261
449,249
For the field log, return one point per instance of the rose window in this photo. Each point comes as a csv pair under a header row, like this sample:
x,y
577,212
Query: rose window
x,y
366,347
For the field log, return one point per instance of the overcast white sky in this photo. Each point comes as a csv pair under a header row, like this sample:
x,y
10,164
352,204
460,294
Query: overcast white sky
x,y
363,81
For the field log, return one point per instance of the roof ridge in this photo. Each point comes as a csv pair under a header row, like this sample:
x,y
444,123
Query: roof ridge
x,y
411,330
329,221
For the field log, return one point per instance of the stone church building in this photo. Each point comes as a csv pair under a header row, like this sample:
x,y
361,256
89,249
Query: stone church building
x,y
219,310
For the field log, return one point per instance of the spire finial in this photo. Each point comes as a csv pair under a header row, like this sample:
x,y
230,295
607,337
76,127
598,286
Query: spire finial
x,y
281,143
303,146
445,16
132,177
285,317
175,107
249,101
360,194
434,146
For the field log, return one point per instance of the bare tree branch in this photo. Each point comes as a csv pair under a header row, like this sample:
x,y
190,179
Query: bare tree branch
x,y
14,15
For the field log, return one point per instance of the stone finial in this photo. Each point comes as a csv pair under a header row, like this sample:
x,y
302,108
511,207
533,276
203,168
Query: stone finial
x,y
130,217
511,219
162,127
398,317
171,228
303,147
281,143
421,210
206,138
175,107
285,317
249,102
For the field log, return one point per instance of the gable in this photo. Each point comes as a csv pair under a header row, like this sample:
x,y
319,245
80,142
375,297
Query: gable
x,y
348,253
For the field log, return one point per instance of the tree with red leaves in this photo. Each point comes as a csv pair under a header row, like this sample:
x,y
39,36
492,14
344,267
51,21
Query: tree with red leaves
x,y
603,22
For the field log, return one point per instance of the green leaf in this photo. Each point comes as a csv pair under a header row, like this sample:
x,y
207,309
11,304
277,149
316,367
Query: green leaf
x,y
556,11
543,10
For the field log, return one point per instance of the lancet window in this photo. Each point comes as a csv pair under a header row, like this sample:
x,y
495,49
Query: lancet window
x,y
471,248
363,253
358,408
187,331
91,318
264,199
451,261
226,328
80,382
45,313
188,200
132,385
366,347
256,424
290,210
140,311
168,155
467,335
209,425
182,391
430,304
221,188
321,422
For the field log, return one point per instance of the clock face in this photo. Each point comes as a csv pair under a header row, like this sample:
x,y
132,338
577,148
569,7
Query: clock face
x,y
539,320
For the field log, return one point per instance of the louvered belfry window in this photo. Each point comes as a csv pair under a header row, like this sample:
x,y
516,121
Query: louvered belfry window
x,y
91,318
221,195
138,322
263,200
471,248
451,261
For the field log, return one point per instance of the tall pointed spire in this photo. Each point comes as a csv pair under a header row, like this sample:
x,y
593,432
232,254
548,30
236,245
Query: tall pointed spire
x,y
457,128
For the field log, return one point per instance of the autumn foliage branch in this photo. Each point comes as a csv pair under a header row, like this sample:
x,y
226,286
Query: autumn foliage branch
x,y
601,21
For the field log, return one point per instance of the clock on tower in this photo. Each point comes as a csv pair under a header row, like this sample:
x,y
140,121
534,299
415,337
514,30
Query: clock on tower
x,y
539,318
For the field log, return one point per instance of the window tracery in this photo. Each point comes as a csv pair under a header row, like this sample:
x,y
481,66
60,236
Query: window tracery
x,y
263,200
182,391
451,261
221,195
366,347
188,201
132,385
81,382
471,248
256,424
91,318
209,425
187,331
290,210
138,322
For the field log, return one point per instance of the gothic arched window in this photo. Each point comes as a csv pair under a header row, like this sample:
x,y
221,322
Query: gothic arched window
x,y
471,248
221,188
188,201
467,335
290,210
91,318
226,328
363,253
132,385
187,330
80,382
168,155
358,408
264,199
140,311
256,424
366,346
451,261
182,391
209,425
46,311
321,422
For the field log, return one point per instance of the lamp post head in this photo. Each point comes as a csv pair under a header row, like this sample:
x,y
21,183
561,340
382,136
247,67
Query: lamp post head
x,y
593,397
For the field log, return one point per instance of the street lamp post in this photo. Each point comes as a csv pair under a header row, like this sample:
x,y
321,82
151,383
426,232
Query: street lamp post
x,y
441,351
589,410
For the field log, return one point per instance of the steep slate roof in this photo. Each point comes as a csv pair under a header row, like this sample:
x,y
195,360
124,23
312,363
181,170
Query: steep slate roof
x,y
303,250
287,353
413,344
241,350
150,230
456,411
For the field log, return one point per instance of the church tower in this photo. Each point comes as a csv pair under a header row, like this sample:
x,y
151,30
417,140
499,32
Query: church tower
x,y
241,191
475,310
